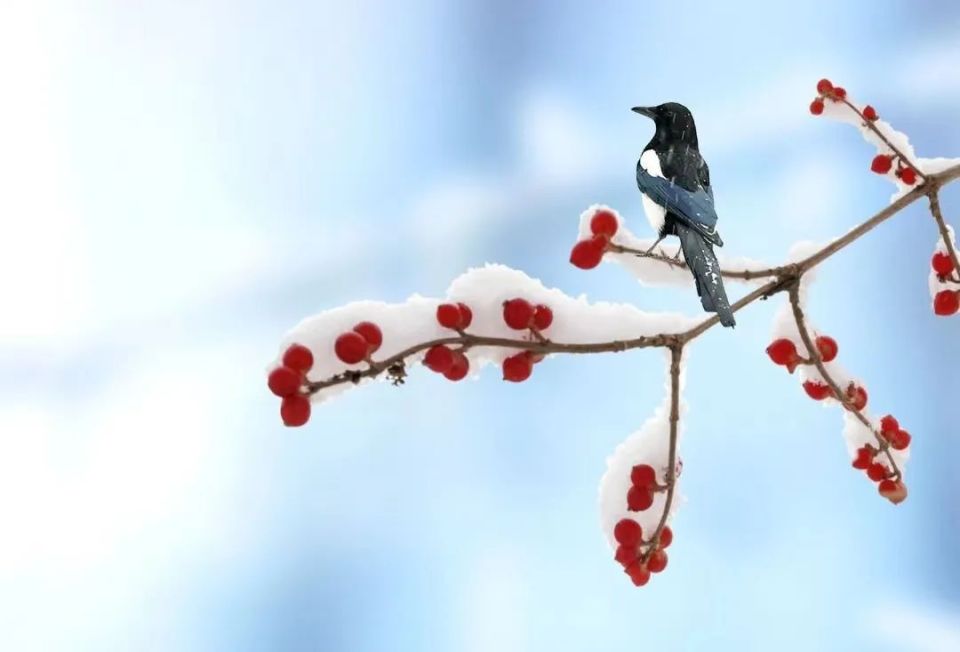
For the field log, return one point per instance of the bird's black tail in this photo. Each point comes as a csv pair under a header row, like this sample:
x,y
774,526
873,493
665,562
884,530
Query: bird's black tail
x,y
706,272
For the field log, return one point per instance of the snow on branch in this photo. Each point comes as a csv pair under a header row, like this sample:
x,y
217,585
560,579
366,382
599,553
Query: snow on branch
x,y
652,267
497,315
638,489
391,337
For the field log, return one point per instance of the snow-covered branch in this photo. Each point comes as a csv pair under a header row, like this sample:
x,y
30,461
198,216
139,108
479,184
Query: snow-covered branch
x,y
497,315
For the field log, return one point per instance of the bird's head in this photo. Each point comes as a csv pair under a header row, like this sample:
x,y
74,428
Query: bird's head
x,y
674,122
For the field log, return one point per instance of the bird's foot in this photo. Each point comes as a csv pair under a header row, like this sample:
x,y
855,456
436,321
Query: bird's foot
x,y
654,245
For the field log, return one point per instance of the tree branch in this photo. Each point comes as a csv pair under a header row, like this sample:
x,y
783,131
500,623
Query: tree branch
x,y
742,274
786,276
886,141
942,225
676,352
839,393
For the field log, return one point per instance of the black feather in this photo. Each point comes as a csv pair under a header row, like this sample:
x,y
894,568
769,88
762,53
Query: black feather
x,y
706,272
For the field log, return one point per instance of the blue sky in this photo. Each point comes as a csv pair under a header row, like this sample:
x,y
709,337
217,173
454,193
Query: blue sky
x,y
182,182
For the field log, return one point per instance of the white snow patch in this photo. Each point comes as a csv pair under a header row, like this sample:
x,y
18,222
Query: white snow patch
x,y
649,445
484,289
654,273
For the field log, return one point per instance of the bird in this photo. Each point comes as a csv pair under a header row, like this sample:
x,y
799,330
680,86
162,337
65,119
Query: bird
x,y
674,180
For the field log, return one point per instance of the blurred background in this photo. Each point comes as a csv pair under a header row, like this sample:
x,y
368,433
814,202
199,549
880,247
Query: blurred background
x,y
183,181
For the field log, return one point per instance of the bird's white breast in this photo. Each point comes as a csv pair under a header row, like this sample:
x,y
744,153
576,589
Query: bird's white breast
x,y
656,214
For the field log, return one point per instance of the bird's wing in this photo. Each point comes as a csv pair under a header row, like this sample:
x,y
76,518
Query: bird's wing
x,y
694,208
704,175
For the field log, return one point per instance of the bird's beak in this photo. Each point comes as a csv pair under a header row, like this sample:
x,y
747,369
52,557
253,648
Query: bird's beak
x,y
648,111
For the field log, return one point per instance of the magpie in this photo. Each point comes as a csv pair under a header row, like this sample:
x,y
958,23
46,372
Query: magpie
x,y
678,200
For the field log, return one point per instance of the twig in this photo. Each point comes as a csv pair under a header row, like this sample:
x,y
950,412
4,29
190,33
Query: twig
x,y
872,127
942,225
670,261
676,352
466,340
840,394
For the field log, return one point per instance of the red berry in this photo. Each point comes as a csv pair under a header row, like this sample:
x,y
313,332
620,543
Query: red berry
x,y
870,113
638,573
864,458
894,491
899,439
298,357
784,352
449,315
876,472
643,476
604,223
371,333
942,263
881,163
284,381
295,410
351,347
827,346
458,368
626,555
466,315
839,92
657,561
816,390
542,317
666,537
857,396
889,424
517,313
587,254
947,302
627,532
439,358
517,368
816,106
824,86
639,499
908,176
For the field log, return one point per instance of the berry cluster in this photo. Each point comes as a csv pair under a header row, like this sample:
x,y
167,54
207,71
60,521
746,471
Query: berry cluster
x,y
519,314
946,302
783,352
457,316
586,254
643,484
882,163
451,363
827,91
286,381
630,550
639,558
356,345
895,437
442,359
